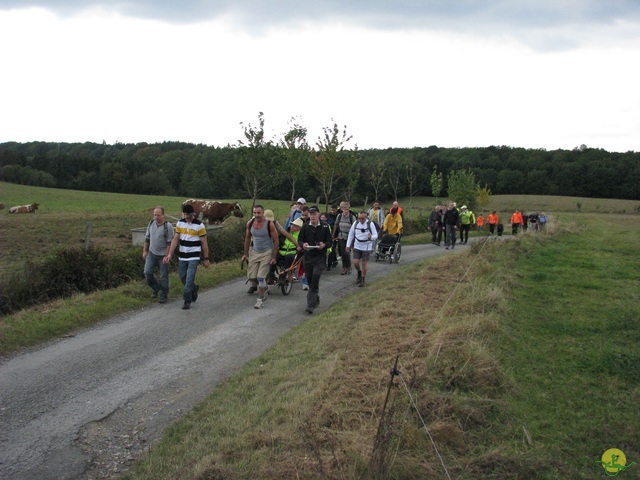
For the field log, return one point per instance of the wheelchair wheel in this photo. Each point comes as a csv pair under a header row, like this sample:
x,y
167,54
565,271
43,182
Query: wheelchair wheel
x,y
398,253
287,285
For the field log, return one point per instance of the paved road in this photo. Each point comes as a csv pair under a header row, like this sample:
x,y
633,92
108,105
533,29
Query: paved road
x,y
86,406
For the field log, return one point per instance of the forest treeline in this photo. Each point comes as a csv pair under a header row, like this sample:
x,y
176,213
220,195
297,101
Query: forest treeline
x,y
184,169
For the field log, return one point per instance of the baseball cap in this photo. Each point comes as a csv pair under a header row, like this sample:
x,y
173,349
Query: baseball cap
x,y
188,208
301,200
313,209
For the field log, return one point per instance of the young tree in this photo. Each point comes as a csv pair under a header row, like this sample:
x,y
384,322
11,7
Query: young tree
x,y
332,164
436,182
483,197
296,155
377,178
463,188
256,160
415,178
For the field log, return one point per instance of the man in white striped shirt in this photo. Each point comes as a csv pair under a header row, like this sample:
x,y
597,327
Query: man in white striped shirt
x,y
191,235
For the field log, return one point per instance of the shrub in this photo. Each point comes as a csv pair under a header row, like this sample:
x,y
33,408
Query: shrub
x,y
68,271
418,225
227,242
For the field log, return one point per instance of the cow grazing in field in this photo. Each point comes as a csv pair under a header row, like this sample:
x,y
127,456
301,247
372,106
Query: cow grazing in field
x,y
214,211
24,208
1,206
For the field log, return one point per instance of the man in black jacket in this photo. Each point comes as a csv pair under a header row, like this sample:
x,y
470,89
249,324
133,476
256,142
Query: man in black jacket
x,y
314,238
451,220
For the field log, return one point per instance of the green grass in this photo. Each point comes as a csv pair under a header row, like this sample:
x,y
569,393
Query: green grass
x,y
521,358
571,342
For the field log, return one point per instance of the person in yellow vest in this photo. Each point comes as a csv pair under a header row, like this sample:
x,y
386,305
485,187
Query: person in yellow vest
x,y
467,218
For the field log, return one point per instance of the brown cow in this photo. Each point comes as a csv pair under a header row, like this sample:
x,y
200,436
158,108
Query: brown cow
x,y
25,208
214,211
1,206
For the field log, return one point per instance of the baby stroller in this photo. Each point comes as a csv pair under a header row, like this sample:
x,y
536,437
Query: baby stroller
x,y
389,248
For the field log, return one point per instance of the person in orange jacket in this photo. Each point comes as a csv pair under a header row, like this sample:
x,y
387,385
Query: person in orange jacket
x,y
480,222
493,222
516,221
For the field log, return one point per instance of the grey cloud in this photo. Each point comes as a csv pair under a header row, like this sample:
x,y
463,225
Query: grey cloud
x,y
456,15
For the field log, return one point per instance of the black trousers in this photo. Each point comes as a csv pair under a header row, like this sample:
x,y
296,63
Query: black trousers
x,y
464,232
313,268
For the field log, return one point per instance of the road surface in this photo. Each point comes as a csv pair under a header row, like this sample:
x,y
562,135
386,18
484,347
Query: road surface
x,y
86,406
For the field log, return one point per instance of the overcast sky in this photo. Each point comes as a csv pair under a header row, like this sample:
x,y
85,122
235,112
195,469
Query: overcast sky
x,y
452,73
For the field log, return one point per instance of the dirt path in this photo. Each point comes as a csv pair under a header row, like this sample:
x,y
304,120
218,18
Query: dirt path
x,y
87,406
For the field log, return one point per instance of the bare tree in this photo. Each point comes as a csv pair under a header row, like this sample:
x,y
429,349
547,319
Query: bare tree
x,y
257,160
333,165
297,154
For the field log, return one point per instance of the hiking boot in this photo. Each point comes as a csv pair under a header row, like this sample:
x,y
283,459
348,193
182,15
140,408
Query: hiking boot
x,y
309,310
253,288
154,294
259,303
186,306
162,300
446,248
194,293
344,271
359,274
361,283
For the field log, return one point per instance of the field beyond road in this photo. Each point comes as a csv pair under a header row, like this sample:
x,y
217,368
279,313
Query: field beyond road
x,y
517,359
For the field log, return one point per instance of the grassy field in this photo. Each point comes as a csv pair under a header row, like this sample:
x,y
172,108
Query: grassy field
x,y
64,214
518,360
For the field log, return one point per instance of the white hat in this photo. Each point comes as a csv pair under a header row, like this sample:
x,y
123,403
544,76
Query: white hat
x,y
464,207
301,200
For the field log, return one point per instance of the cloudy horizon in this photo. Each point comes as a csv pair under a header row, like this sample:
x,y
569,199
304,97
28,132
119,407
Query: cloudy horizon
x,y
410,73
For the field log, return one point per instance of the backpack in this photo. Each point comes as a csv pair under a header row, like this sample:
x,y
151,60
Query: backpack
x,y
166,230
352,219
268,228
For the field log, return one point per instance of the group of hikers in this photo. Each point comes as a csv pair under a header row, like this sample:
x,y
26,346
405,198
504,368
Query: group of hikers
x,y
448,220
322,238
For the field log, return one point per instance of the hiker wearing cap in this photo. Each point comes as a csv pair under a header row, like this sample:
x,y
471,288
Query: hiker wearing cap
x,y
296,212
467,218
287,244
362,235
191,235
315,238
261,250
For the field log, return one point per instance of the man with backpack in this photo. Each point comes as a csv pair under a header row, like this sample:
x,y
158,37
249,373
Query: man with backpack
x,y
362,237
157,240
344,220
261,254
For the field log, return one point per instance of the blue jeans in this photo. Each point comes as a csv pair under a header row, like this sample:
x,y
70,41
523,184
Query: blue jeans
x,y
150,264
187,273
